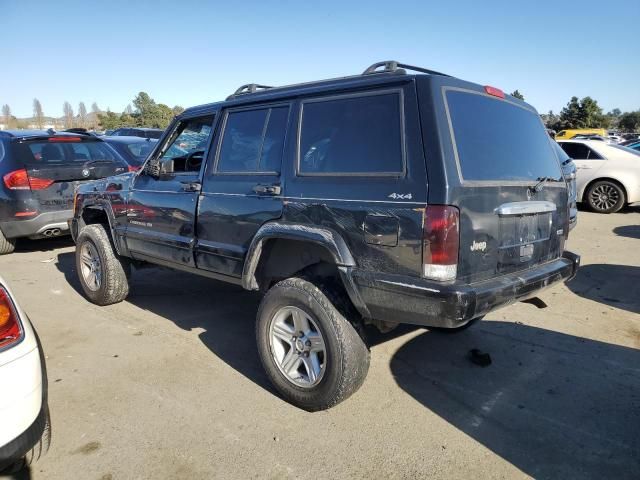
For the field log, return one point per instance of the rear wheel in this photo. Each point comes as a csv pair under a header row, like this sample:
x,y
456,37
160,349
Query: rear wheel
x,y
605,196
310,351
6,245
102,273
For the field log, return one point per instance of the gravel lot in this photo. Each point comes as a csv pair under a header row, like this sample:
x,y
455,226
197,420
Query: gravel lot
x,y
168,384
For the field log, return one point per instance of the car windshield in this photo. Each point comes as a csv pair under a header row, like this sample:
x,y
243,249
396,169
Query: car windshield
x,y
140,150
627,149
485,153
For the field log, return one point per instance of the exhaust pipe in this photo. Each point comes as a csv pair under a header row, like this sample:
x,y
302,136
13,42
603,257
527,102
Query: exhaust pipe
x,y
51,232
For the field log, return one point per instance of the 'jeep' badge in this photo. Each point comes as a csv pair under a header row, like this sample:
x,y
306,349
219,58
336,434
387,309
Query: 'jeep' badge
x,y
478,246
85,172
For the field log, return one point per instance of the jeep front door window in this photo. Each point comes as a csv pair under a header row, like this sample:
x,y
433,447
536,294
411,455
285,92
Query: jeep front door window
x,y
185,148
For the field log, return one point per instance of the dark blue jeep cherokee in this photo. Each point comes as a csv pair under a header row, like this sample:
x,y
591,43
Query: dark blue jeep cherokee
x,y
381,198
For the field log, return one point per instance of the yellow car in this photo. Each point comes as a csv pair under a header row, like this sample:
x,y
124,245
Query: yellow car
x,y
567,134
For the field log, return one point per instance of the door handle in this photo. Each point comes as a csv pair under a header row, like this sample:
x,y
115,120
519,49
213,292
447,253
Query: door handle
x,y
267,189
191,186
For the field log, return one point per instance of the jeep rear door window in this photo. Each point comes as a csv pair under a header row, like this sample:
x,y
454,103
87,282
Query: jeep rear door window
x,y
357,135
496,140
253,140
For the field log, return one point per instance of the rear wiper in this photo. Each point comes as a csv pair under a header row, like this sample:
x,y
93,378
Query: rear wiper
x,y
541,183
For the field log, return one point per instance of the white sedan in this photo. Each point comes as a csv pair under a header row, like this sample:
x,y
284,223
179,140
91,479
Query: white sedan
x,y
25,431
608,175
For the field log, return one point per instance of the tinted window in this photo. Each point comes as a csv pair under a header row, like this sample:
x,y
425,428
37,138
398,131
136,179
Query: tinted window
x,y
65,152
577,151
153,134
496,140
361,135
580,151
253,140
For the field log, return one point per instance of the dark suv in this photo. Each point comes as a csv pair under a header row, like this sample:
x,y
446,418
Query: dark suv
x,y
40,171
381,198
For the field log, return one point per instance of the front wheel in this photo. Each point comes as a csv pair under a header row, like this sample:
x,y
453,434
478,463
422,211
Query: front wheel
x,y
102,273
605,196
311,353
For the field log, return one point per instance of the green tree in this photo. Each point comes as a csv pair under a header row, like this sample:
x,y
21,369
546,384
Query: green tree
x,y
7,119
95,110
82,115
38,115
585,113
517,94
177,110
68,115
108,120
630,121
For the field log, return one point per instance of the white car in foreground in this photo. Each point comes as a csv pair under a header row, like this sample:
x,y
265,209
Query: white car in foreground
x,y
608,175
25,431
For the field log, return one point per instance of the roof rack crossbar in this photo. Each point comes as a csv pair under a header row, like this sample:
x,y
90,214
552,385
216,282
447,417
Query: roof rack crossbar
x,y
392,66
248,88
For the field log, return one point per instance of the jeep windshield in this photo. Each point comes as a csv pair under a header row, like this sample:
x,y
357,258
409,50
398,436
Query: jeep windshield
x,y
497,140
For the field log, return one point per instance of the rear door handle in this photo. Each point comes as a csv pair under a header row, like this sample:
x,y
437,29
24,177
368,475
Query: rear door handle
x,y
267,189
190,186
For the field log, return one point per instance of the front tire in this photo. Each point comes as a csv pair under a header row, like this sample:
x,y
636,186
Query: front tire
x,y
7,245
102,273
605,196
311,353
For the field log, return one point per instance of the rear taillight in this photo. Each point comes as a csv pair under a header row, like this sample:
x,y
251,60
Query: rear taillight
x,y
20,180
10,330
441,240
493,91
131,168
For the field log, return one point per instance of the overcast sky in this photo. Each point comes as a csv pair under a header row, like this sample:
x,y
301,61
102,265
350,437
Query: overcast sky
x,y
191,52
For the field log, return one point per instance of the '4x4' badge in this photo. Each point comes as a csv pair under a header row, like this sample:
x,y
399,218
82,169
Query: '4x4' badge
x,y
401,196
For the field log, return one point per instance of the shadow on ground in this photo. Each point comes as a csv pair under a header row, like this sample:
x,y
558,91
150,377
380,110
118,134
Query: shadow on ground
x,y
631,231
226,313
24,474
26,245
553,405
614,285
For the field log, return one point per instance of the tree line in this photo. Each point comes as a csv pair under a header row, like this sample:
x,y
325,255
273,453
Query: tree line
x,y
147,113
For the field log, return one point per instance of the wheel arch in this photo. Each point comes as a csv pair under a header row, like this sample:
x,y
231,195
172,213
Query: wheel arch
x,y
279,250
101,213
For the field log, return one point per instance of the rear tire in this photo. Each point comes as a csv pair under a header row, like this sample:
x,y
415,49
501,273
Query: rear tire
x,y
102,273
343,363
605,196
6,245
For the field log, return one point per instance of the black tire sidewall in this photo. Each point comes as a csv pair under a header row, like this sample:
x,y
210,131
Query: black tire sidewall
x,y
87,236
613,209
307,398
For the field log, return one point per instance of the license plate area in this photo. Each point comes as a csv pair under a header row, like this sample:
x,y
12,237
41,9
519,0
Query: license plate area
x,y
523,238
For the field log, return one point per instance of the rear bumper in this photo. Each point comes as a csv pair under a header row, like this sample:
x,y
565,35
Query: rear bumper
x,y
401,299
37,226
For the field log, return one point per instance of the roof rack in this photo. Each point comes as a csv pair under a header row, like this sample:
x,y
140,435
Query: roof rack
x,y
392,66
248,88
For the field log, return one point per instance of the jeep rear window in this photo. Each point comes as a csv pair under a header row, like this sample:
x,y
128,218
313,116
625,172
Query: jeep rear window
x,y
496,140
358,135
